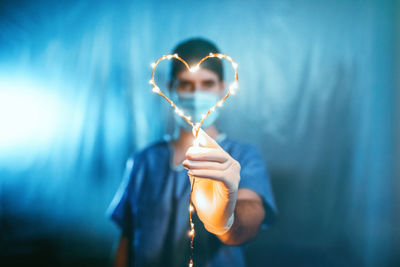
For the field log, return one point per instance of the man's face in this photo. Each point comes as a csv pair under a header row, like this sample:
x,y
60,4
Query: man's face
x,y
202,79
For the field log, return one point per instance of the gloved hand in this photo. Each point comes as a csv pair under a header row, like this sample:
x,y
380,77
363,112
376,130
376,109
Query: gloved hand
x,y
217,177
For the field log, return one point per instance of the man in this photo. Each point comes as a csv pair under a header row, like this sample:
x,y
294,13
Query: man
x,y
232,195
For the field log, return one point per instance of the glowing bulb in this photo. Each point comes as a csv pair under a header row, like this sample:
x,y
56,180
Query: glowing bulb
x,y
191,208
191,232
203,116
235,85
219,104
156,89
229,58
211,55
213,109
151,82
235,65
194,69
179,111
169,56
189,118
220,56
175,55
153,65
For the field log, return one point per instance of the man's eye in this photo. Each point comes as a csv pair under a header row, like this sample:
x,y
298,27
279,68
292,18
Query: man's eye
x,y
208,84
184,86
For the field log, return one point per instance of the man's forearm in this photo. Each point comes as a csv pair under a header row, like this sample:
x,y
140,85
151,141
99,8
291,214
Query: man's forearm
x,y
248,217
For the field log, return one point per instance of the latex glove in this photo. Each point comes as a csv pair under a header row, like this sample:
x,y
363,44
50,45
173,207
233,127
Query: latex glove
x,y
217,177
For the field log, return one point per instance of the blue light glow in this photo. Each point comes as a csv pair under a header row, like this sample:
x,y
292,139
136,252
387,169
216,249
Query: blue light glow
x,y
30,118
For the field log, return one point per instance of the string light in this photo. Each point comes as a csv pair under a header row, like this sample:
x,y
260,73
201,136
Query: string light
x,y
197,125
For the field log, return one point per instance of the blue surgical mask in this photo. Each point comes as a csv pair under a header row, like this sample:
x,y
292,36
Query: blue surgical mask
x,y
195,105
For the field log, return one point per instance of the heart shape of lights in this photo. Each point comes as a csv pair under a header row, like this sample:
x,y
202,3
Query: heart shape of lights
x,y
232,88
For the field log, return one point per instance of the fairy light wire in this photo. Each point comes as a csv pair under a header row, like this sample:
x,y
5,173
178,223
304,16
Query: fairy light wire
x,y
195,126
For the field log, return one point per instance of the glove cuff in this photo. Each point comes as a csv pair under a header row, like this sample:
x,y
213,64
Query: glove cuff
x,y
221,230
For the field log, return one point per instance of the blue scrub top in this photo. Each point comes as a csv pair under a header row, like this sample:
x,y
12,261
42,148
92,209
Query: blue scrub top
x,y
151,208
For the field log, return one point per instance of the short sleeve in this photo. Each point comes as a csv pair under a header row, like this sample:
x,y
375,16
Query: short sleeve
x,y
254,176
120,210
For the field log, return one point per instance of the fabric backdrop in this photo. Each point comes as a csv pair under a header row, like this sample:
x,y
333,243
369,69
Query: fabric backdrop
x,y
318,96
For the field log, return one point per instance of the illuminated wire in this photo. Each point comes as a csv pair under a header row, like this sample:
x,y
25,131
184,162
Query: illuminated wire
x,y
195,126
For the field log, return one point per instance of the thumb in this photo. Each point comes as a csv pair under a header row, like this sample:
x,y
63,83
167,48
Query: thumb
x,y
204,140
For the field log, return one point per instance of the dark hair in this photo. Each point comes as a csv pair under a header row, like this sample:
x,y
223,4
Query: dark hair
x,y
192,51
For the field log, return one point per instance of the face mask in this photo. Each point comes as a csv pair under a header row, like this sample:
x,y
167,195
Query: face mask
x,y
195,105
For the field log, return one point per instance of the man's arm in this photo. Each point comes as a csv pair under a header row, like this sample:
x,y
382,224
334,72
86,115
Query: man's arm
x,y
249,213
121,255
232,214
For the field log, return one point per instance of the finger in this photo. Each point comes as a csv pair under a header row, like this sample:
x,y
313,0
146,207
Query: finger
x,y
210,165
206,154
204,140
216,175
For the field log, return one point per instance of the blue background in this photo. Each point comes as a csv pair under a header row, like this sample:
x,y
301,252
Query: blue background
x,y
319,97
